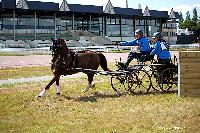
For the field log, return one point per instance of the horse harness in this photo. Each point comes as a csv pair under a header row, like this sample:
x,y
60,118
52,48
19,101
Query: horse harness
x,y
63,62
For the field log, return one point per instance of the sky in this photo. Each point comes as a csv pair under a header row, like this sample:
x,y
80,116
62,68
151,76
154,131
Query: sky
x,y
161,5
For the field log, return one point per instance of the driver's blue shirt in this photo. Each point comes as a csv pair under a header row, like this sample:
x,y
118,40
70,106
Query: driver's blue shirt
x,y
142,42
161,54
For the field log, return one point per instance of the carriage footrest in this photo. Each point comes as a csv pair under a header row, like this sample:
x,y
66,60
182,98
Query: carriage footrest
x,y
133,68
104,73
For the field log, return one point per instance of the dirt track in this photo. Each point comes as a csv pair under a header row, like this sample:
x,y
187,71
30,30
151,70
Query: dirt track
x,y
44,60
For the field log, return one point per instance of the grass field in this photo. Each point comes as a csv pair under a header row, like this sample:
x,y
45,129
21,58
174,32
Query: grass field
x,y
99,110
24,72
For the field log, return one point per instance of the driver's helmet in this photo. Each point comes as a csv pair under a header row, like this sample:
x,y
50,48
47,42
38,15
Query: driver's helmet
x,y
158,35
139,32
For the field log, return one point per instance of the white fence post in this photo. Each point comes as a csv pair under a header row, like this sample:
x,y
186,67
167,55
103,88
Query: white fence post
x,y
179,76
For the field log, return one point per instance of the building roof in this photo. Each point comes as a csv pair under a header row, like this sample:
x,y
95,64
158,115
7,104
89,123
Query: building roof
x,y
85,8
8,4
78,8
174,15
128,11
155,13
177,15
38,5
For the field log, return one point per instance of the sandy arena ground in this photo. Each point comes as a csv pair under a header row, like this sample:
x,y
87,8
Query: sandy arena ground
x,y
45,60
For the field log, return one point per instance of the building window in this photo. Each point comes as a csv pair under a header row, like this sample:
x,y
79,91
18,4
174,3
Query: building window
x,y
113,30
117,21
128,28
46,23
158,22
142,22
137,22
165,33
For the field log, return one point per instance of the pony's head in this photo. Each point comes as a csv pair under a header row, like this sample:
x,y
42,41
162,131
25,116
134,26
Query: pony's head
x,y
62,56
59,47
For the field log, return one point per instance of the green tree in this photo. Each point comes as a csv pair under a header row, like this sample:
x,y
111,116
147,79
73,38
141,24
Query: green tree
x,y
187,16
181,17
195,16
191,24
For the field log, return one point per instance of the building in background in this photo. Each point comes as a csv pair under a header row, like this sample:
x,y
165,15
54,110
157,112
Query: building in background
x,y
185,37
170,27
35,20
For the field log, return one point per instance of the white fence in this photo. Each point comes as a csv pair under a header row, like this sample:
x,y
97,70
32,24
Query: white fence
x,y
187,46
109,48
46,50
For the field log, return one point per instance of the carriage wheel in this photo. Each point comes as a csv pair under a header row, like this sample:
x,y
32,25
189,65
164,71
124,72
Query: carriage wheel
x,y
142,81
168,79
154,81
121,83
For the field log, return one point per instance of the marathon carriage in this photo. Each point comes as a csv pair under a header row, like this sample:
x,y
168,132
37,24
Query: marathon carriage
x,y
143,77
137,78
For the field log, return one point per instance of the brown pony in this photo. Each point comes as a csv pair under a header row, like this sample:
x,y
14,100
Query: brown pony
x,y
64,60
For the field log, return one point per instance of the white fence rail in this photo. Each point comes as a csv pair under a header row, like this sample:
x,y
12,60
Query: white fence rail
x,y
187,46
46,50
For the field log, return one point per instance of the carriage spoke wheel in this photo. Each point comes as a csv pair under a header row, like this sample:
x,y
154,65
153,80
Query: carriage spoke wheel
x,y
168,80
154,81
142,81
121,83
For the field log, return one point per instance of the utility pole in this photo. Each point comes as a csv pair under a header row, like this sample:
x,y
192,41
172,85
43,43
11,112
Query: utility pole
x,y
139,6
126,3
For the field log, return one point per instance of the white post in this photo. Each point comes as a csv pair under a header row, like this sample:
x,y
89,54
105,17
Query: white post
x,y
179,76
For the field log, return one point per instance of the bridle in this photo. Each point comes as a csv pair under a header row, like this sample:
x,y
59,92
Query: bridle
x,y
55,48
58,54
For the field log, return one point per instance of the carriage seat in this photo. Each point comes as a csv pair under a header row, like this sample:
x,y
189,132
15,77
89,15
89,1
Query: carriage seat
x,y
145,58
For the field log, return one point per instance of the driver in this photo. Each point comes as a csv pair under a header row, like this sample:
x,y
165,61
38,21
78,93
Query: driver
x,y
142,45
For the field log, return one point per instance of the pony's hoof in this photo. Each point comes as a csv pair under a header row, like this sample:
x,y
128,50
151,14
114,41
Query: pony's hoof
x,y
92,86
58,94
38,96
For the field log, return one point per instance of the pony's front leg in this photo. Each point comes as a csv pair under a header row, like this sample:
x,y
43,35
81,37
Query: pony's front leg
x,y
58,89
42,93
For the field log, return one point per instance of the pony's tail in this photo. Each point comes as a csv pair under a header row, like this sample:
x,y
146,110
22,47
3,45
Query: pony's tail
x,y
103,62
